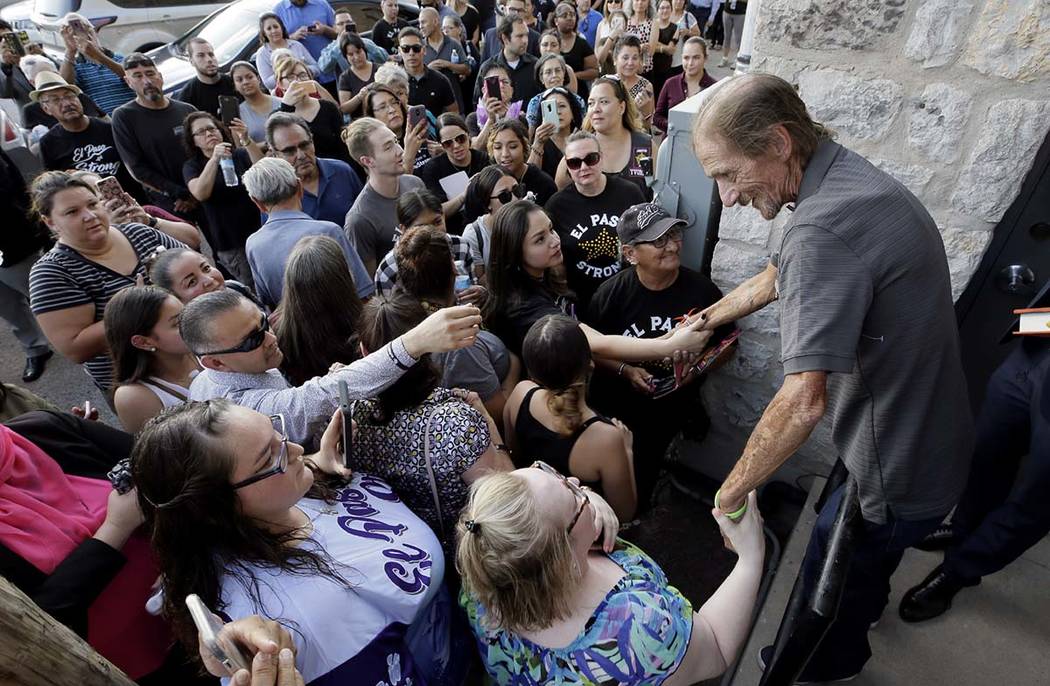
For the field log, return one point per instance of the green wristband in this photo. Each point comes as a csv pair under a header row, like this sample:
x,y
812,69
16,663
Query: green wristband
x,y
733,516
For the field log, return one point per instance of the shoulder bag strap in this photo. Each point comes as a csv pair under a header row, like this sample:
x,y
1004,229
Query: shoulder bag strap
x,y
430,471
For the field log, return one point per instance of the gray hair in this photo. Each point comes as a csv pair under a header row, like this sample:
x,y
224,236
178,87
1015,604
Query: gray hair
x,y
196,318
454,18
279,120
270,181
390,74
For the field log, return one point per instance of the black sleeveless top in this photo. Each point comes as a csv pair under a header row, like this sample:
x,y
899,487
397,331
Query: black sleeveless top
x,y
537,442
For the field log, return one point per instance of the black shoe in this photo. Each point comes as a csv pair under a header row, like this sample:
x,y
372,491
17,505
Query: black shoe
x,y
940,539
932,597
808,675
35,366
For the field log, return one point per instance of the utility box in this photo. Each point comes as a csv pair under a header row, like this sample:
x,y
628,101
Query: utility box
x,y
682,188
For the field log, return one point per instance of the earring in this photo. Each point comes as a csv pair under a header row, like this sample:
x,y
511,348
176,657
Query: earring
x,y
153,349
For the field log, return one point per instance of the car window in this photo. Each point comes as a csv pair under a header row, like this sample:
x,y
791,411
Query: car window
x,y
228,32
153,4
56,8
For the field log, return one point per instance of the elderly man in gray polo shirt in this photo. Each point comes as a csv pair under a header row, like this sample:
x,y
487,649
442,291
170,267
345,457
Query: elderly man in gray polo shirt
x,y
868,336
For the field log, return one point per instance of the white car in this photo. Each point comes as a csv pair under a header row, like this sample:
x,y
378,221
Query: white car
x,y
124,26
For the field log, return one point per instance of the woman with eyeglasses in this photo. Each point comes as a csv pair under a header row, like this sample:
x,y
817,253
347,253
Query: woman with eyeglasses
x,y
316,320
550,44
152,366
257,106
554,597
551,72
303,96
459,158
490,189
429,443
509,148
239,516
526,275
70,286
549,139
548,416
383,103
274,36
627,55
230,213
573,47
613,118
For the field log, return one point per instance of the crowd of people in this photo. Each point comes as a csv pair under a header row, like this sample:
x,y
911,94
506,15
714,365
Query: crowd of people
x,y
450,224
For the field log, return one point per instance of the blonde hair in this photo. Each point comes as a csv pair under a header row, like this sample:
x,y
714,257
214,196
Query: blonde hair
x,y
285,63
513,558
357,137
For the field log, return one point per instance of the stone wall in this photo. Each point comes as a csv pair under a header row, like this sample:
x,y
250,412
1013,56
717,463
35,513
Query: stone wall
x,y
952,97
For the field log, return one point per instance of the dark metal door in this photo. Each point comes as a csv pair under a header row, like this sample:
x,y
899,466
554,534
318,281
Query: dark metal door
x,y
1013,270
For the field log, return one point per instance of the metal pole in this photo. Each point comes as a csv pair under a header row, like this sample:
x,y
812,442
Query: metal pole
x,y
747,40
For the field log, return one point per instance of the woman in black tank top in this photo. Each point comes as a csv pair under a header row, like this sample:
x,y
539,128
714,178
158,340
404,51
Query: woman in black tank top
x,y
549,420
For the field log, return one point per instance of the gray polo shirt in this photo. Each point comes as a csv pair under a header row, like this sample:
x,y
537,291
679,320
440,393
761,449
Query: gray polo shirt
x,y
865,295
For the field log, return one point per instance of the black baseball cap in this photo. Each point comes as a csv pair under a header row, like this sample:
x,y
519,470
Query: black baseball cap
x,y
645,222
138,59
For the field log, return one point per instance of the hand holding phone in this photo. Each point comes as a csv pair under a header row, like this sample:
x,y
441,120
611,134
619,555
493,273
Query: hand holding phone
x,y
550,112
229,109
416,114
210,629
109,188
492,87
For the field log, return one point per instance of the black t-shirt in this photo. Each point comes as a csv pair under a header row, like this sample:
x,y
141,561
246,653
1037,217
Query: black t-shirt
x,y
525,310
349,82
326,127
385,35
661,60
552,156
231,214
33,114
540,183
90,150
579,51
438,168
471,21
433,90
205,96
587,228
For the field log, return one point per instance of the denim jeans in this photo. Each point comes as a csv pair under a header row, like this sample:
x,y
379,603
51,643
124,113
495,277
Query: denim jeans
x,y
878,551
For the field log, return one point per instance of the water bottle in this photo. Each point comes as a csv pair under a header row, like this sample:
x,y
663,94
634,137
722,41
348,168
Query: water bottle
x,y
462,277
229,173
455,56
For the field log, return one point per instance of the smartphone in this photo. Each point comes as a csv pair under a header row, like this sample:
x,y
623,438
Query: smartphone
x,y
14,44
492,87
229,109
549,109
416,114
347,409
664,386
109,188
79,26
225,651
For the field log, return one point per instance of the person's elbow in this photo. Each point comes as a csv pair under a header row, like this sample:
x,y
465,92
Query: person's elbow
x,y
807,393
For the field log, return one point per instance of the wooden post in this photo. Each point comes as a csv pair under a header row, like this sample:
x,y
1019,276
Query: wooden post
x,y
37,650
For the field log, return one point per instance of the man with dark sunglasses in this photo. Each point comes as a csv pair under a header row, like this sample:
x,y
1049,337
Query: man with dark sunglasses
x,y
232,339
585,214
426,86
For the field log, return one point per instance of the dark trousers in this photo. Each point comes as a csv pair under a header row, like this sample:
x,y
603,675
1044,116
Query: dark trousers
x,y
878,552
997,521
701,14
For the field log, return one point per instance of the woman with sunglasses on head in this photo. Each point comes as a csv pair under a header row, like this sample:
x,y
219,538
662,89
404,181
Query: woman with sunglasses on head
x,y
274,36
549,139
554,597
429,443
303,96
231,214
152,366
548,416
458,157
316,320
238,515
70,286
257,106
490,189
613,118
509,148
526,276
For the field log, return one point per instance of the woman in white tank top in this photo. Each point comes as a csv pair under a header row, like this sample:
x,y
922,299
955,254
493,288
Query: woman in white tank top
x,y
152,366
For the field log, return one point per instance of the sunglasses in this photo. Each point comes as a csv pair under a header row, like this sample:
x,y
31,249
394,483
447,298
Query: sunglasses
x,y
411,48
580,494
590,159
505,196
280,460
251,342
458,140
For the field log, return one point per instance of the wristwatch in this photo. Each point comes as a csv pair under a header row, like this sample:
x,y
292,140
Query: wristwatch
x,y
152,221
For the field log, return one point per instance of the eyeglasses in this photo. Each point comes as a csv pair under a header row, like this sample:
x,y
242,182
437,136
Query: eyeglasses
x,y
505,196
290,151
661,242
458,140
251,342
205,129
280,460
417,47
590,159
69,97
577,491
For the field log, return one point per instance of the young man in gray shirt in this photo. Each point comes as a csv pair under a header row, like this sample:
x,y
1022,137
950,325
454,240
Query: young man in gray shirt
x,y
868,337
372,219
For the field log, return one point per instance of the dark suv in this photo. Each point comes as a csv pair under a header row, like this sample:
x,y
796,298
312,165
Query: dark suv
x,y
234,33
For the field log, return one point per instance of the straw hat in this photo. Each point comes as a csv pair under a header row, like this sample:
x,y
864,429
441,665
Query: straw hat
x,y
50,81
